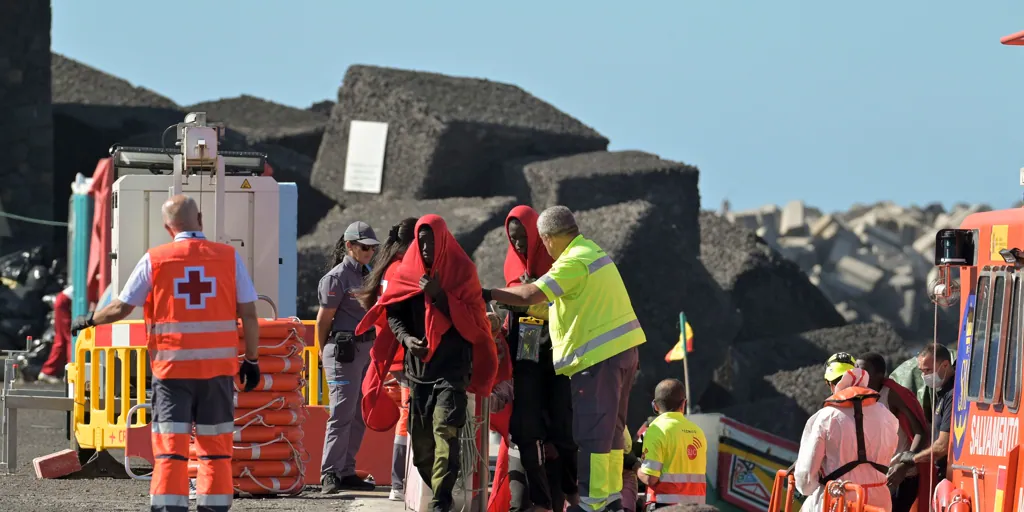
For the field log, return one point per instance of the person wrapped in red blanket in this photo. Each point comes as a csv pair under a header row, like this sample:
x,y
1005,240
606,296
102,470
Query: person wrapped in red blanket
x,y
434,306
385,402
541,422
905,481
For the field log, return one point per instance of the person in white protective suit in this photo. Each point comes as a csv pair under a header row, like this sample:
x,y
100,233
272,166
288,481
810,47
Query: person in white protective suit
x,y
834,445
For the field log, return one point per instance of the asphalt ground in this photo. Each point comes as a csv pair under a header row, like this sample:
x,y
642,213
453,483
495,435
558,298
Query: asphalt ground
x,y
43,432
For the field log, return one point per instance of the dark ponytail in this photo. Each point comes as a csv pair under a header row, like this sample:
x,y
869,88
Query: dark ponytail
x,y
338,255
399,237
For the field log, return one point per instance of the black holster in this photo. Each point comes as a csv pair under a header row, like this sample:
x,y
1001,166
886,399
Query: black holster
x,y
344,346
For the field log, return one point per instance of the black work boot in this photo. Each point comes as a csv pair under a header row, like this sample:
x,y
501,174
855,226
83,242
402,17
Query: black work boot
x,y
329,484
354,483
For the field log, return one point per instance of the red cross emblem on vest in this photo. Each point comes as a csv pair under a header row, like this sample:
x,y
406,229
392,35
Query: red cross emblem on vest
x,y
195,288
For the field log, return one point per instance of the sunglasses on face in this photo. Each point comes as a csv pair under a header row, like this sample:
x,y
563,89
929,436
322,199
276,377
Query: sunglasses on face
x,y
363,247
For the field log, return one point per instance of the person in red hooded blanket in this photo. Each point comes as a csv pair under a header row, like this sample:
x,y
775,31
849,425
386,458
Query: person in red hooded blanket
x,y
379,412
543,468
434,306
904,480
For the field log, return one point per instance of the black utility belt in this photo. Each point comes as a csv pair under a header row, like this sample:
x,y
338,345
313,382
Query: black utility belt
x,y
349,337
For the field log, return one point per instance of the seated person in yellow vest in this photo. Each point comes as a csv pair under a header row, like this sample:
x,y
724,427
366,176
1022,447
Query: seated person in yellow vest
x,y
594,335
675,463
834,445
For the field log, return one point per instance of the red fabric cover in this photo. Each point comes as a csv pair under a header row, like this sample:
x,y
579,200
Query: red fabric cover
x,y
380,414
98,278
60,353
537,259
457,275
501,496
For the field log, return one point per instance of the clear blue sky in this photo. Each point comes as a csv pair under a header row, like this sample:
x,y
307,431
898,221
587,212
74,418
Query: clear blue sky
x,y
830,102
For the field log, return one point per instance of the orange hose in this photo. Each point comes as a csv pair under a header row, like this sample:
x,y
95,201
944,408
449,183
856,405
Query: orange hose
x,y
274,382
278,401
258,468
279,418
278,485
260,434
282,364
274,451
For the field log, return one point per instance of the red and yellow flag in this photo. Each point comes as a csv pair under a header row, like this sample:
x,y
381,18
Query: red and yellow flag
x,y
685,343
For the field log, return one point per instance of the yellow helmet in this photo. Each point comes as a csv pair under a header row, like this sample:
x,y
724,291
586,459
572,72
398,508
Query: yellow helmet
x,y
837,365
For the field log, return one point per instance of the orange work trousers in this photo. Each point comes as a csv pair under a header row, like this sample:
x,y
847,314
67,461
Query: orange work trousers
x,y
178,406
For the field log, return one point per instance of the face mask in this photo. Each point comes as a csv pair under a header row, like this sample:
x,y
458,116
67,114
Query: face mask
x,y
932,380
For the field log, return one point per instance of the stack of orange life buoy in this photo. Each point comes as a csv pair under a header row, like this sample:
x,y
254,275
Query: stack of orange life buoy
x,y
269,457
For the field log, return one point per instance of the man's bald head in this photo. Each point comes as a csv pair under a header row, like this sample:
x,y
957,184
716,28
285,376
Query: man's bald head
x,y
181,213
670,395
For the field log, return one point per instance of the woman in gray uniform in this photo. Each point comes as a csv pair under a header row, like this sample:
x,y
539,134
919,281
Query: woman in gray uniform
x,y
344,356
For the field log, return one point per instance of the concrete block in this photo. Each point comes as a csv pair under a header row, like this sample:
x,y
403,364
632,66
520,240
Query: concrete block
x,y
749,219
793,220
756,359
858,274
773,294
593,180
447,136
263,121
57,465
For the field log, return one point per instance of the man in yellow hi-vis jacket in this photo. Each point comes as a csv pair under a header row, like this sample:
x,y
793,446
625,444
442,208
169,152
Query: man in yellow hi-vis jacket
x,y
594,335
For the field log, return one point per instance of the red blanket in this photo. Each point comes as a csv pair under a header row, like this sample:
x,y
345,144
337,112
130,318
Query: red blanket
x,y
379,412
537,260
456,274
501,496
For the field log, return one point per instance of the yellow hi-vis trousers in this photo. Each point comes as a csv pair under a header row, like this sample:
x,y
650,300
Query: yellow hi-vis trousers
x,y
600,398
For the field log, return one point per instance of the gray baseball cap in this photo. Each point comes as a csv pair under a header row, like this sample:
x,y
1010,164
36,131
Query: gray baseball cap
x,y
361,232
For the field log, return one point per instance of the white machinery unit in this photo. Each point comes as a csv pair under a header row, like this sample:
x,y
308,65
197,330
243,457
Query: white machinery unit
x,y
239,206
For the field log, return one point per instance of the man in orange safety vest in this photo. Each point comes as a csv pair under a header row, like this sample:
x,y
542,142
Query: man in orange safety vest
x,y
193,291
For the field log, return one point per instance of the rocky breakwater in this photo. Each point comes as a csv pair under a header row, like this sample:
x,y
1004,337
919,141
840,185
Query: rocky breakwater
x,y
874,262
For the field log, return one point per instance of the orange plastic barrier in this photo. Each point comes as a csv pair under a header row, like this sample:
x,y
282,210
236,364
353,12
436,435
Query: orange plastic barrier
x,y
280,382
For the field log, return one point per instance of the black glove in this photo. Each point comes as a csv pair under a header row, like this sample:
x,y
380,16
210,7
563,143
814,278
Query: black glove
x,y
487,295
249,374
80,323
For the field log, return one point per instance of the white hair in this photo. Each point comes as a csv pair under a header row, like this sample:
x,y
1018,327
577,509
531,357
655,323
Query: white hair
x,y
556,220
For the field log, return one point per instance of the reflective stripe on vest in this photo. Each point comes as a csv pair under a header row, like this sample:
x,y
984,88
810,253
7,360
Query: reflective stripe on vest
x,y
599,321
191,312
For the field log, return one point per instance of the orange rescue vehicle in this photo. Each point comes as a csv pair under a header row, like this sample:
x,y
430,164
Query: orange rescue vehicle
x,y
981,271
984,472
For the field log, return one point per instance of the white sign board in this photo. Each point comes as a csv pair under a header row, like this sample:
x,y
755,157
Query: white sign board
x,y
364,165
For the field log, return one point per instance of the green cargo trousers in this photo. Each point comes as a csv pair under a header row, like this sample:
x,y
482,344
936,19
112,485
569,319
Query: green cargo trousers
x,y
436,413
